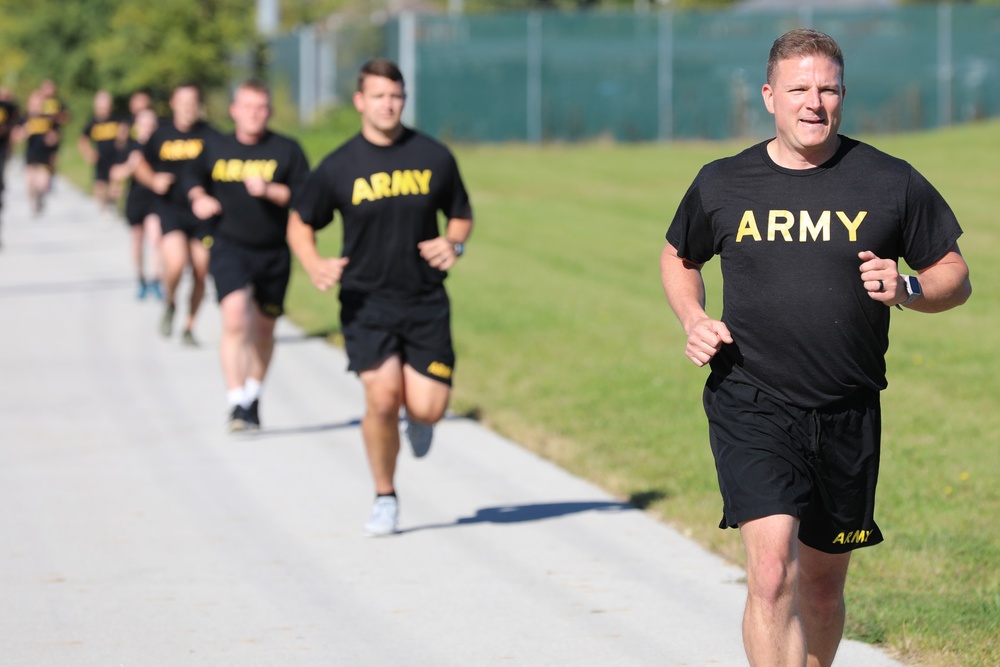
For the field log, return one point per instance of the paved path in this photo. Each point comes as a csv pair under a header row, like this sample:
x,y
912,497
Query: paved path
x,y
136,531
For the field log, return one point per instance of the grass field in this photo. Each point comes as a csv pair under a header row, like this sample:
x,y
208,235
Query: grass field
x,y
566,344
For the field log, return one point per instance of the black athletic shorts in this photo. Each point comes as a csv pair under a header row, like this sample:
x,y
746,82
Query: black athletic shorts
x,y
174,218
820,466
102,168
418,329
137,209
234,265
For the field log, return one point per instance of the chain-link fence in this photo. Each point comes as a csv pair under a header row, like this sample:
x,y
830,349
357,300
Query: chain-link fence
x,y
647,76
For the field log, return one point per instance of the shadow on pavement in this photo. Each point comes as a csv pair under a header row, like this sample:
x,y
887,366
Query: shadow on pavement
x,y
525,513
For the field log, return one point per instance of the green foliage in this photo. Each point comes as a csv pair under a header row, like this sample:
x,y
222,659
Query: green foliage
x,y
159,45
122,45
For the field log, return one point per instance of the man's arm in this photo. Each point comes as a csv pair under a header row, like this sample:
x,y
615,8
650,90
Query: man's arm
x,y
324,272
944,284
157,181
276,193
86,150
685,290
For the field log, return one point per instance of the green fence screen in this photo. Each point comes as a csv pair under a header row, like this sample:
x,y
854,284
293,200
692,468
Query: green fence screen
x,y
658,75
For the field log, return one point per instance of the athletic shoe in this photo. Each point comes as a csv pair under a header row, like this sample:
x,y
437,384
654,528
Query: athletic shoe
x,y
385,514
167,323
237,419
188,338
155,289
419,436
251,418
143,289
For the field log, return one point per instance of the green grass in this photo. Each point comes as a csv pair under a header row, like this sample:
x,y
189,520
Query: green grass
x,y
566,344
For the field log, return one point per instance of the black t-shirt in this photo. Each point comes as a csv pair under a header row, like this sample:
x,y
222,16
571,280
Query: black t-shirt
x,y
170,150
804,328
103,134
389,198
221,168
43,138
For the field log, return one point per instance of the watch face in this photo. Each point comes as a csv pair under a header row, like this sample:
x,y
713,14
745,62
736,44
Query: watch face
x,y
459,248
913,285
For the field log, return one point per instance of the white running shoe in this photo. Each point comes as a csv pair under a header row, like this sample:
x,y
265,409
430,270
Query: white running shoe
x,y
385,515
419,436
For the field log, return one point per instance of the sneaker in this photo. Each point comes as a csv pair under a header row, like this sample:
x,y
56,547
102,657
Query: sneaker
x,y
237,419
251,418
143,289
419,436
156,290
187,338
385,515
167,323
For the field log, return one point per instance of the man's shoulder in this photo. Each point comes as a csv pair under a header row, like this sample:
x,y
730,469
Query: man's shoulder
x,y
859,151
424,142
726,167
284,141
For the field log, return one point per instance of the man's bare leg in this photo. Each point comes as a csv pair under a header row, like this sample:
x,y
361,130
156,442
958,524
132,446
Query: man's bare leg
x,y
773,634
380,425
821,602
174,256
199,275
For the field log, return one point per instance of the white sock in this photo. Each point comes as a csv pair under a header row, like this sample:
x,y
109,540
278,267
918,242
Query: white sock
x,y
234,396
251,392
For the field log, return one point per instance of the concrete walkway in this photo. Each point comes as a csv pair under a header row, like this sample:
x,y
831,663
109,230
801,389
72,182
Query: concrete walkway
x,y
136,531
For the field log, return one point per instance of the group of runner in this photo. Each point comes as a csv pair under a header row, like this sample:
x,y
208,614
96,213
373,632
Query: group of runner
x,y
236,205
793,395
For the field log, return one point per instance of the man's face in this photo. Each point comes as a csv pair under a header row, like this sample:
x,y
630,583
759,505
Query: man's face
x,y
250,110
185,104
380,103
103,104
807,100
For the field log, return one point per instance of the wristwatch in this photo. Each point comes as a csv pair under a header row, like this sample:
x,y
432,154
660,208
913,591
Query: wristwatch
x,y
459,248
912,288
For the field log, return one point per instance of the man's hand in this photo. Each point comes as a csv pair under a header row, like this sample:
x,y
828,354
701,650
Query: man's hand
x,y
325,272
881,279
205,206
161,182
439,253
705,338
256,186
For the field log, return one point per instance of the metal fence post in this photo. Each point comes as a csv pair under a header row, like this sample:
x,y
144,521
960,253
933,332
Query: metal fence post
x,y
945,68
665,78
534,79
408,64
307,73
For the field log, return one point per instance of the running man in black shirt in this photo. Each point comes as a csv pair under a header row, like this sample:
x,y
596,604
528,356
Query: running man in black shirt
x,y
140,202
41,136
389,184
97,144
186,239
246,179
810,226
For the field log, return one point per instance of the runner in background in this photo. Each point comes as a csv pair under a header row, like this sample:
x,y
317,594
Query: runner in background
x,y
97,145
246,180
186,239
143,221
